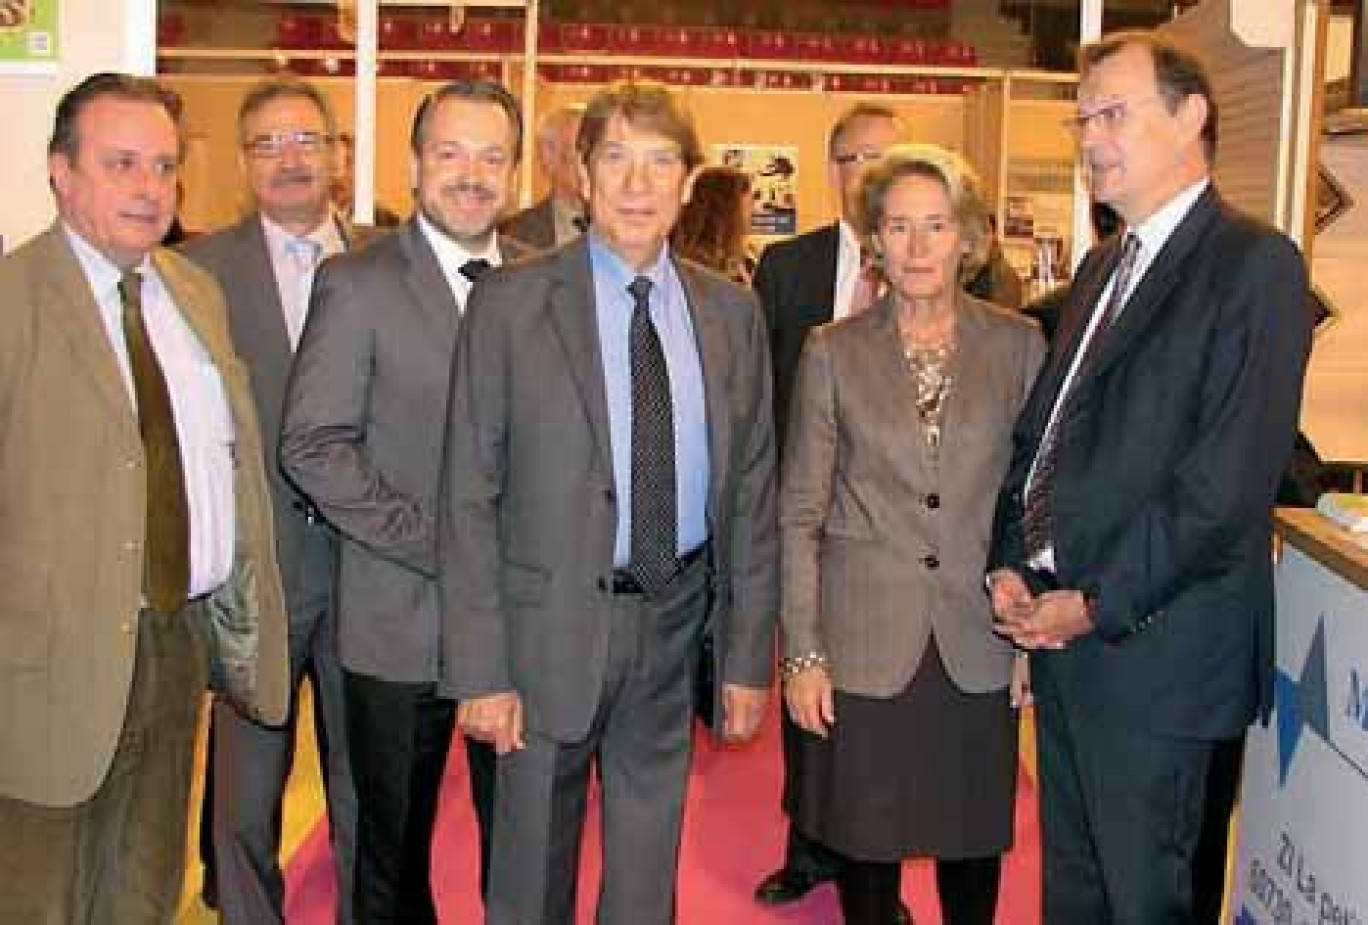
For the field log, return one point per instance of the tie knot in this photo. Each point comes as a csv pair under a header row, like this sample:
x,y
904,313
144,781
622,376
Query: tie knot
x,y
130,287
640,288
474,268
304,250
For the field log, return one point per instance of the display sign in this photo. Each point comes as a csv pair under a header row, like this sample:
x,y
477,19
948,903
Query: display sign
x,y
773,172
1303,830
28,36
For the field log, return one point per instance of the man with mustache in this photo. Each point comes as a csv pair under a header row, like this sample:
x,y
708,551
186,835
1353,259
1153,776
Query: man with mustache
x,y
362,438
265,265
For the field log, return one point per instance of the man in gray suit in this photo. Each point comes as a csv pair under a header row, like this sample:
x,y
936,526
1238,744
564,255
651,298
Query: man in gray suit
x,y
607,499
558,218
265,265
362,437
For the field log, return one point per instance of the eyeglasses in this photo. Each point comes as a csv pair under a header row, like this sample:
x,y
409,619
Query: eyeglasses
x,y
274,144
1109,118
851,158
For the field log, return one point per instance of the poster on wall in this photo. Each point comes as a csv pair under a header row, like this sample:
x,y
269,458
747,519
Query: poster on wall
x,y
28,36
773,172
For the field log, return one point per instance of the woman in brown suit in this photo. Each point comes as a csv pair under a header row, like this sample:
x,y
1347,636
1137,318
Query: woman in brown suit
x,y
900,435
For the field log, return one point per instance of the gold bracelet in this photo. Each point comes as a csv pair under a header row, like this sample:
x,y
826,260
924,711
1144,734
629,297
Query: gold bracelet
x,y
791,666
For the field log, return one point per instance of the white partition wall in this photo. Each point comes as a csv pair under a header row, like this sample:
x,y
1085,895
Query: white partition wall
x,y
95,35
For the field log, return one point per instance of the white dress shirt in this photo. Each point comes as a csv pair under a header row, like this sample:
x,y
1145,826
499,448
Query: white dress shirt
x,y
847,270
294,258
199,403
1153,234
452,256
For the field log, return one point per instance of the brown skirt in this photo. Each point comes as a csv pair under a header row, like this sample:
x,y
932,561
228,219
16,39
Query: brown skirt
x,y
930,772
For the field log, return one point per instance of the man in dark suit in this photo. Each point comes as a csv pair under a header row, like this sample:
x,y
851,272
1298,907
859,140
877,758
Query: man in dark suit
x,y
265,265
608,498
358,438
1131,549
559,217
802,283
135,505
818,277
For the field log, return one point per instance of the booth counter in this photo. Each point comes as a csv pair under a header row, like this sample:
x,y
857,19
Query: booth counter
x,y
1303,819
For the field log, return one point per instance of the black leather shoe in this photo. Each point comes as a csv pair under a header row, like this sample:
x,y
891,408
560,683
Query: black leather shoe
x,y
904,914
787,885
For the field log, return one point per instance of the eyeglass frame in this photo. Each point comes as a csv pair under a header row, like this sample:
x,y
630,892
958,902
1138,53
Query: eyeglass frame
x,y
1109,117
854,158
307,141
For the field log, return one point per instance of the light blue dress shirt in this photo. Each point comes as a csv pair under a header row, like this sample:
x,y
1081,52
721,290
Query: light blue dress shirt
x,y
670,312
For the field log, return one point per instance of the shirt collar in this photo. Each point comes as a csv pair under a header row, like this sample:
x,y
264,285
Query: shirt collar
x,y
100,271
1155,231
620,272
850,241
450,253
328,236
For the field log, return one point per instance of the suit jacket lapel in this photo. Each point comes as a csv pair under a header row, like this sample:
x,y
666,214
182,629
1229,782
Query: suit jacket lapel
x,y
969,374
262,295
714,358
822,272
72,305
428,283
573,315
1149,299
899,387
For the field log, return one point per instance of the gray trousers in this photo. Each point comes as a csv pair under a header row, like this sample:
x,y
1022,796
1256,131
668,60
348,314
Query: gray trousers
x,y
251,766
641,740
119,857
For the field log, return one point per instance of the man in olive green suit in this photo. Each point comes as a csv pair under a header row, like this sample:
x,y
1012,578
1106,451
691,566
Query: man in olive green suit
x,y
134,502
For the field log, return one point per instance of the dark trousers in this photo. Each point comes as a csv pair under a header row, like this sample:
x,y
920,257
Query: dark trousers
x,y
640,739
1209,866
399,735
968,890
249,766
119,857
1120,815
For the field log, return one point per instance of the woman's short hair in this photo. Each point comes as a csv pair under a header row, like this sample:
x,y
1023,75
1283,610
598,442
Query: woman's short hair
x,y
962,186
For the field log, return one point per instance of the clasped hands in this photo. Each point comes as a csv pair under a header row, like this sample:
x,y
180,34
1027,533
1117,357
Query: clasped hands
x,y
498,718
1046,621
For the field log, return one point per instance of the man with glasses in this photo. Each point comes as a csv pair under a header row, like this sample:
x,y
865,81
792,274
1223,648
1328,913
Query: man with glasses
x,y
802,283
607,498
135,509
1131,549
362,439
265,265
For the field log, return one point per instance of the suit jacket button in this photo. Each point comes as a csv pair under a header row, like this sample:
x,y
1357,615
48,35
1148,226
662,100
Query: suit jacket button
x,y
931,562
933,501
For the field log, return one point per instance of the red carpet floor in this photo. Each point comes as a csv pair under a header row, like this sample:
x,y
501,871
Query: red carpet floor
x,y
733,836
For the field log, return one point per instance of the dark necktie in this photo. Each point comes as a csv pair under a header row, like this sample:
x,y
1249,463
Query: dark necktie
x,y
654,528
1036,518
166,570
475,268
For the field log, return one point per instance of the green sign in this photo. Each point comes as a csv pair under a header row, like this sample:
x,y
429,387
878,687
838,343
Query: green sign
x,y
28,34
